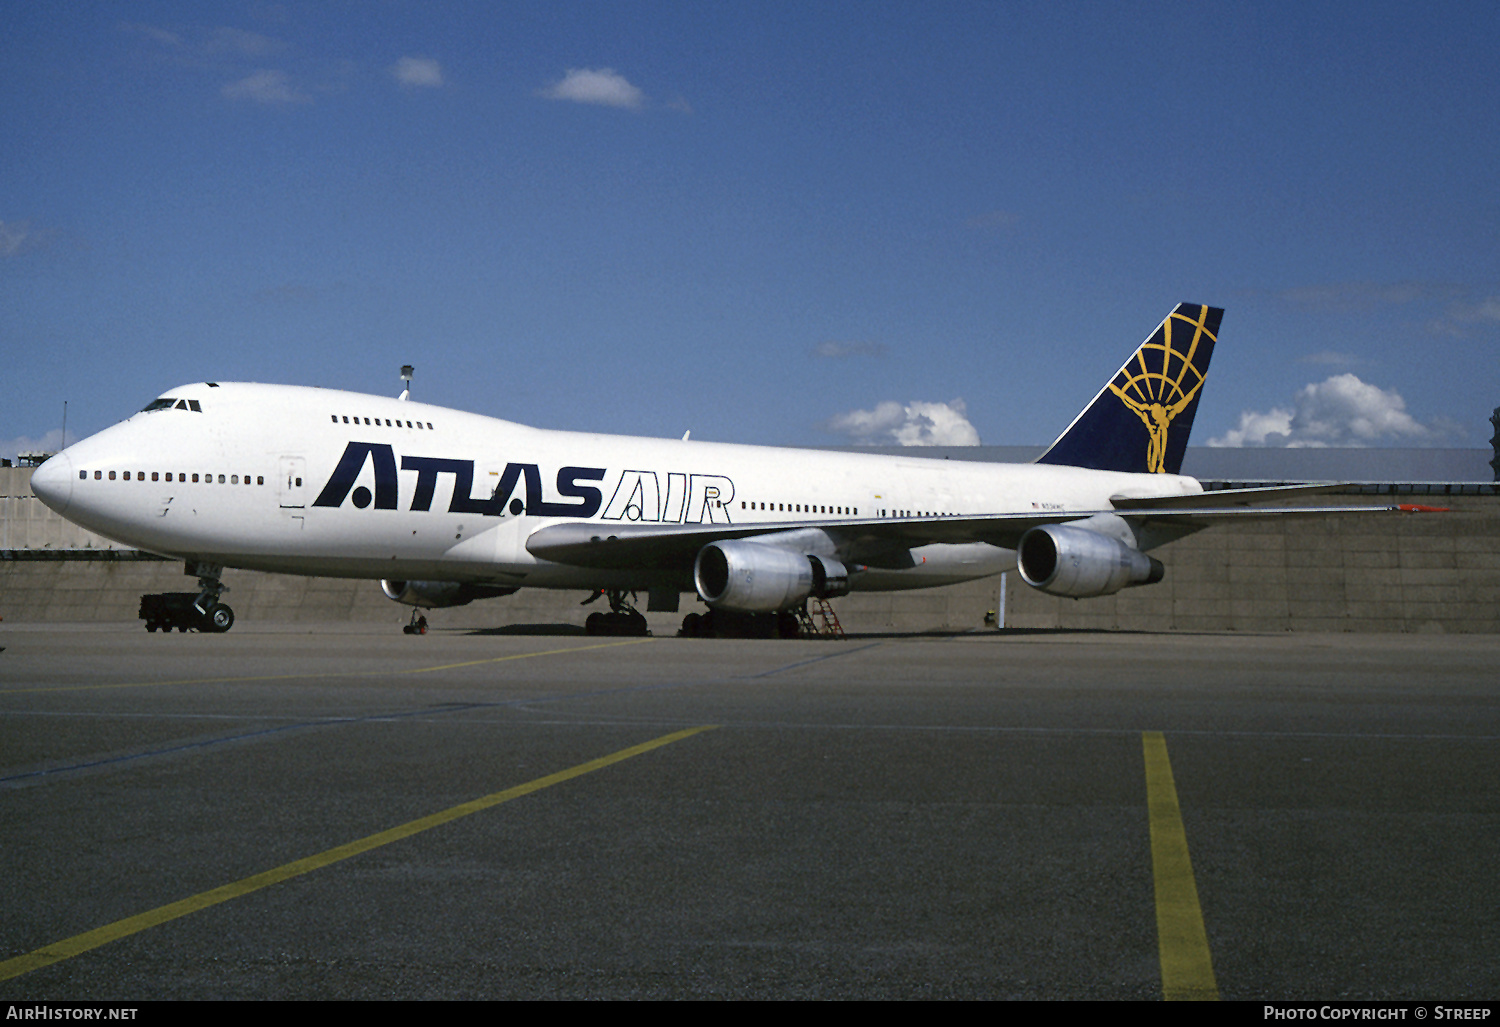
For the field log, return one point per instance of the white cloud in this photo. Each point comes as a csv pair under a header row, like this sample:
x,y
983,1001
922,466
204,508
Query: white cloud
x,y
1331,358
418,72
51,442
1271,428
165,37
1488,309
240,42
266,86
13,237
209,47
1364,296
603,86
835,350
992,219
19,237
1446,308
1481,311
914,424
239,61
1340,411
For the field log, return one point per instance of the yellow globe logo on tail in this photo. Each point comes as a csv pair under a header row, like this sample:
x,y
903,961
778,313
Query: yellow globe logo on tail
x,y
1162,379
1140,421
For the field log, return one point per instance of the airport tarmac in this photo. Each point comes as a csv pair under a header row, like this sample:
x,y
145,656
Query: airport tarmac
x,y
343,811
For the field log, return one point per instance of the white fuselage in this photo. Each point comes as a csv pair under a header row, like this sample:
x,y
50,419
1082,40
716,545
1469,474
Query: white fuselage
x,y
316,481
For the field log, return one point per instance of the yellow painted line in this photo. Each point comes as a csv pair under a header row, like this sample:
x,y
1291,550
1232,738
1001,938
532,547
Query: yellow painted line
x,y
1187,971
80,943
322,674
522,656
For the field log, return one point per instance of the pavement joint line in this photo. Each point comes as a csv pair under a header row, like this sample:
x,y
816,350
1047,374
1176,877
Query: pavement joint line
x,y
169,749
323,674
78,944
1187,972
815,659
441,709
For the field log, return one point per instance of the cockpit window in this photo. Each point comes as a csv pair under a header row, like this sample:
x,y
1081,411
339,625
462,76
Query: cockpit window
x,y
168,403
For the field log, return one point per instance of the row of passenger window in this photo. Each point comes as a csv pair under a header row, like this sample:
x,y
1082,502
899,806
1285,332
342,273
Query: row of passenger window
x,y
397,423
207,479
852,511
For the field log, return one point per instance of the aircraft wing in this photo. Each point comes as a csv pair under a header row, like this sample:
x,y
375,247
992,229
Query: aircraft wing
x,y
625,546
876,540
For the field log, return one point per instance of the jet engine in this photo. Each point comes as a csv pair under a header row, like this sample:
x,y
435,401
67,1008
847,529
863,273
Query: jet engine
x,y
1065,561
749,577
431,594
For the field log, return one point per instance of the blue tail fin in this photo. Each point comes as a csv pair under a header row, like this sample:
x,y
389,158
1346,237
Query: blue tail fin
x,y
1141,419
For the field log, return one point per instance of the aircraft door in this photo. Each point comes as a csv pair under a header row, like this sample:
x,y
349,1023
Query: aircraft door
x,y
289,487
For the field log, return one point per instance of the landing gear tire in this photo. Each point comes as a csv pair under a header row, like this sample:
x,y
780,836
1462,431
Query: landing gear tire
x,y
220,618
208,614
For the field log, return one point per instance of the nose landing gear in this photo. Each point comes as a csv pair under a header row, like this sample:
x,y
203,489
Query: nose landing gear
x,y
186,611
217,617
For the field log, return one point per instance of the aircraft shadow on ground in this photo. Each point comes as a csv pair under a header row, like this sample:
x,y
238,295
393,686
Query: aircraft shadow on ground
x,y
577,629
528,629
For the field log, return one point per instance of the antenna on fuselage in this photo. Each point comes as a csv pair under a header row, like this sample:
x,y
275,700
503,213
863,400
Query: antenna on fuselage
x,y
406,373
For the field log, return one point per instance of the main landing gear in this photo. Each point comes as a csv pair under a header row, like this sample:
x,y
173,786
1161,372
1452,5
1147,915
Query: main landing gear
x,y
729,624
622,618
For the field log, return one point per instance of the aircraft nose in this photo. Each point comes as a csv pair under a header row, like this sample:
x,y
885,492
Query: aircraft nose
x,y
53,482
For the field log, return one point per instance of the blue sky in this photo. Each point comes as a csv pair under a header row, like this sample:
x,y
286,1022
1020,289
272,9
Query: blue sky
x,y
772,223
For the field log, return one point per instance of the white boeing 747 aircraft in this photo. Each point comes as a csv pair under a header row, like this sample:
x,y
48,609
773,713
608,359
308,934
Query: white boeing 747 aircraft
x,y
444,507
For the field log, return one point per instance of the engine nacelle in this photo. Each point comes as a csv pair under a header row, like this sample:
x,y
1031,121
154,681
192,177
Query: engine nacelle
x,y
432,594
1079,563
754,578
830,578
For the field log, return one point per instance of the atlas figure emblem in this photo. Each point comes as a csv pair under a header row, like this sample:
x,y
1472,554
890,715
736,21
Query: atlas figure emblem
x,y
1157,395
